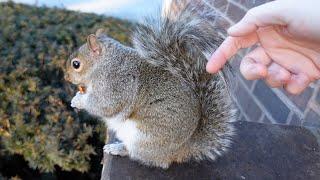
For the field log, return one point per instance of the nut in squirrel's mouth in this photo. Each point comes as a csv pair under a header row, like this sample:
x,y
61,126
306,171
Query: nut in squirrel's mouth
x,y
82,89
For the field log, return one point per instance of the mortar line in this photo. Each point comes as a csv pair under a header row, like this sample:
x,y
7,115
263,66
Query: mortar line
x,y
254,83
312,102
261,118
289,119
239,5
288,102
306,112
219,12
261,106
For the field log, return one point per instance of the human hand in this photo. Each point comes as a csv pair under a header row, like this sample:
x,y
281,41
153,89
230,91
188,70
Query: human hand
x,y
287,33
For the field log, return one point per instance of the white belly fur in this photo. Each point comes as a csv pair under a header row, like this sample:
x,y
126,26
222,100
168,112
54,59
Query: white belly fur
x,y
126,130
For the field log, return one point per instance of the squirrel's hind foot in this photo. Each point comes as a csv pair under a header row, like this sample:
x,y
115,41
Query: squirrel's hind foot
x,y
117,149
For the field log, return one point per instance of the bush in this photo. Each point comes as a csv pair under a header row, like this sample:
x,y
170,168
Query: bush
x,y
37,121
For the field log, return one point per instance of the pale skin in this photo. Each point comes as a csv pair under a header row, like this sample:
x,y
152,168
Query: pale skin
x,y
287,35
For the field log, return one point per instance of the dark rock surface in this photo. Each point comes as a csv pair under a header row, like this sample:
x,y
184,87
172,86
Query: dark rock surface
x,y
260,151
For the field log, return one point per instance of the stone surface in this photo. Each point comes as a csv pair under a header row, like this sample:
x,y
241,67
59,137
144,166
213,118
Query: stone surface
x,y
259,151
235,13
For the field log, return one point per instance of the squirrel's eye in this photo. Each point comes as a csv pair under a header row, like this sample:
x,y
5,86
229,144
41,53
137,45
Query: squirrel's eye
x,y
76,64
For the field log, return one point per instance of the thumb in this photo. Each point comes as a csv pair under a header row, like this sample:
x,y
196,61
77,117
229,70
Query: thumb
x,y
272,13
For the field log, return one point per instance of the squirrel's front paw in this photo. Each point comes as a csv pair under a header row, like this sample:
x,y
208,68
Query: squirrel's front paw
x,y
118,149
78,101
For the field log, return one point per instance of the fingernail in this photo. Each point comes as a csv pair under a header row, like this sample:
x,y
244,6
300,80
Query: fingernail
x,y
258,70
212,56
208,67
232,29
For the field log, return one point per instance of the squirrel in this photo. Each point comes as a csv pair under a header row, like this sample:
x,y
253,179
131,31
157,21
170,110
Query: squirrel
x,y
157,96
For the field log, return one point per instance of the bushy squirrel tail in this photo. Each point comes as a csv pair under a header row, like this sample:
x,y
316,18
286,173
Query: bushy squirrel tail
x,y
180,42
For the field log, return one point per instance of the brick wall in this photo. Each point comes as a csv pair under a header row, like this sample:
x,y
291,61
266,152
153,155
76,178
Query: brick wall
x,y
255,100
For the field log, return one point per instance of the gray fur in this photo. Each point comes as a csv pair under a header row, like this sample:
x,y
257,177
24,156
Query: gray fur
x,y
178,43
161,84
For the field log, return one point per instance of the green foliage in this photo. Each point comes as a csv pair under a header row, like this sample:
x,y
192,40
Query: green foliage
x,y
36,120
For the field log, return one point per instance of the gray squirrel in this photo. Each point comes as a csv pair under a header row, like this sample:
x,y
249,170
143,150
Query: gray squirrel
x,y
157,96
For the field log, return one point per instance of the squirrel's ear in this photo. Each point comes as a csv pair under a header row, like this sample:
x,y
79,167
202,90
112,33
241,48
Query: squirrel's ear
x,y
94,44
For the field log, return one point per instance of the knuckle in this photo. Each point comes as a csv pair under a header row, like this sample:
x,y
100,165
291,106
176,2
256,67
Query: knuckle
x,y
316,76
305,80
244,70
237,43
284,77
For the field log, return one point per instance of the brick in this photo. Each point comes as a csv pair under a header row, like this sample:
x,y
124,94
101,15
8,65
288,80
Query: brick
x,y
271,102
266,120
250,3
296,121
221,5
242,118
300,100
312,119
247,82
235,13
222,24
248,105
318,98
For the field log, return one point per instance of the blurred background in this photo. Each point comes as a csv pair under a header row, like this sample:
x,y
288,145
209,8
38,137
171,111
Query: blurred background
x,y
41,136
125,9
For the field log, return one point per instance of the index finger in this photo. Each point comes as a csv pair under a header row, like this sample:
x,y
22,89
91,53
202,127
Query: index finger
x,y
229,47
